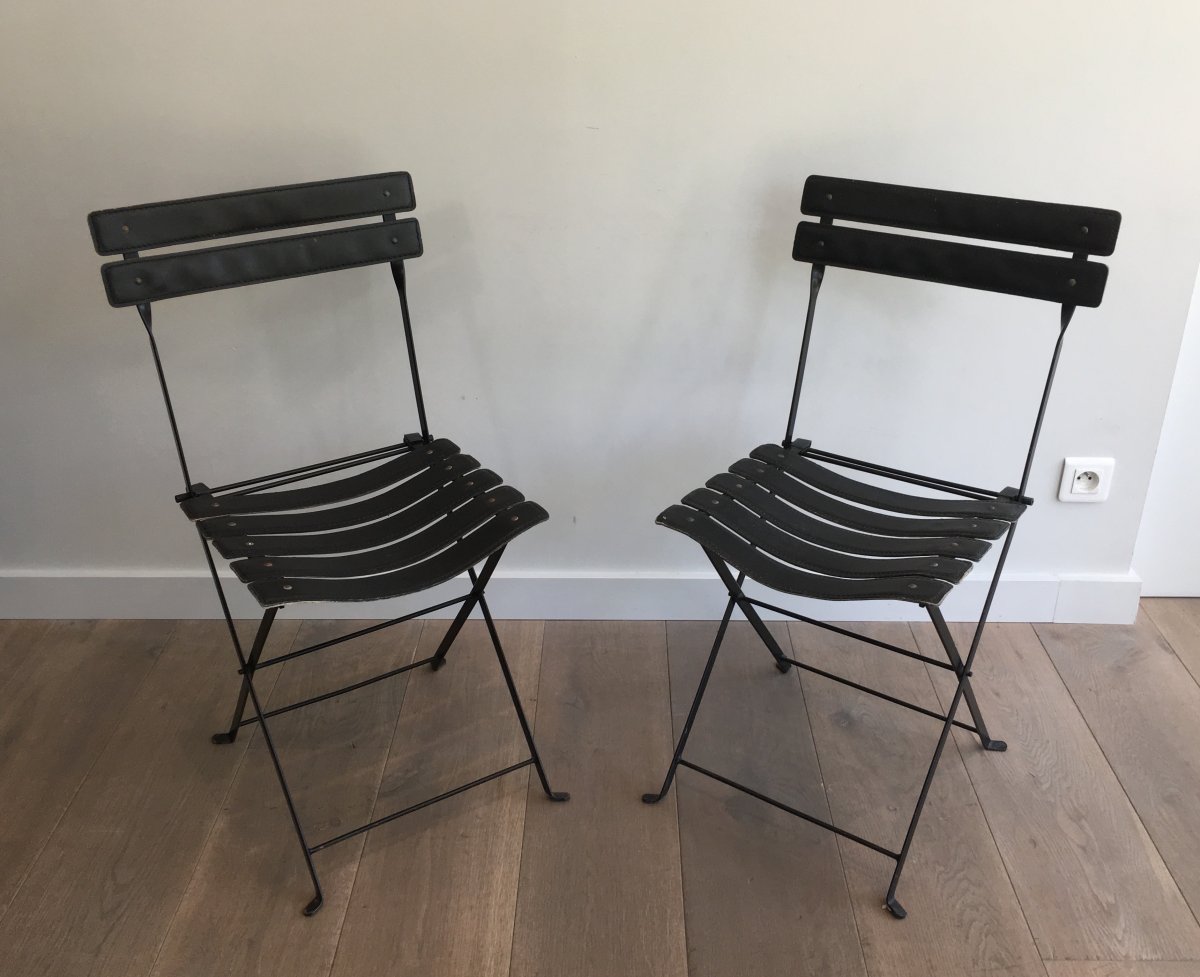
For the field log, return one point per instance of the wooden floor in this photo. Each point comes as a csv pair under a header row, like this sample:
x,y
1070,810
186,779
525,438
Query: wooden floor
x,y
131,846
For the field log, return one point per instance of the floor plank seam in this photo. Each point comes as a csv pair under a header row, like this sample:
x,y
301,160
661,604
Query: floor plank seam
x,y
991,831
1125,793
374,802
812,735
162,943
87,773
537,698
1169,643
666,645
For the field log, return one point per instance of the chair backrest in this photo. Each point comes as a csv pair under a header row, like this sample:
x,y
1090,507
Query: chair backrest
x,y
140,281
129,230
1068,281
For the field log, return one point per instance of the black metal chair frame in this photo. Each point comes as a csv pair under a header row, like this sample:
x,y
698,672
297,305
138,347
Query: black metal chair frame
x,y
755,519
444,514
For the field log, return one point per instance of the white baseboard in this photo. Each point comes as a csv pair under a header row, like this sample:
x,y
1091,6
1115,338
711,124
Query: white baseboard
x,y
1095,598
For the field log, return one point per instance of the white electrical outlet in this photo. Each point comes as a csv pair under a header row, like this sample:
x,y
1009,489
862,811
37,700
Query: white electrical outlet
x,y
1086,479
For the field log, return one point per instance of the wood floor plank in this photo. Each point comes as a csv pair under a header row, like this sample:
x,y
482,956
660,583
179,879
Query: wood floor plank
x,y
963,916
241,913
1178,619
436,890
763,891
65,691
600,890
1088,876
1122,968
100,897
1144,711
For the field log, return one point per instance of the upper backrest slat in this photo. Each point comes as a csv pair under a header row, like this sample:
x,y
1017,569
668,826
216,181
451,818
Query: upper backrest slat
x,y
206,269
1060,227
157,225
1071,281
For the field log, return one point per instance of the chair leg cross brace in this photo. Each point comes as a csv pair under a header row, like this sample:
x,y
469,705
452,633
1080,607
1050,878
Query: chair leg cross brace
x,y
248,695
963,691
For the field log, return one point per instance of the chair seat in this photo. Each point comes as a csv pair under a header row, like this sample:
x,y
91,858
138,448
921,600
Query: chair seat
x,y
397,528
798,527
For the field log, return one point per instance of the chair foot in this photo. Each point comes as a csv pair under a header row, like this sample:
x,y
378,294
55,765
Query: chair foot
x,y
559,795
221,739
651,798
437,663
996,746
317,901
783,666
894,907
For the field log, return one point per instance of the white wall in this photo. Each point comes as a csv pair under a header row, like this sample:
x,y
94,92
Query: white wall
x,y
606,311
1167,555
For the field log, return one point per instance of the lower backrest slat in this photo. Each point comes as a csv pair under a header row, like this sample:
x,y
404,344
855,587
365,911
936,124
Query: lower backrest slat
x,y
1070,281
188,272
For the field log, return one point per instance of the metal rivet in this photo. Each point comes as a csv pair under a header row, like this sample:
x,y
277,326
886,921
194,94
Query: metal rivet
x,y
469,484
1084,229
1071,282
231,524
216,505
387,193
492,499
954,542
395,240
820,244
829,196
691,519
515,518
268,563
137,281
429,451
125,228
449,468
912,586
249,542
934,563
287,586
716,501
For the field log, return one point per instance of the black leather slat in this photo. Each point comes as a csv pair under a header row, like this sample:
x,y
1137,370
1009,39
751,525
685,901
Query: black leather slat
x,y
157,225
1061,227
818,476
445,566
343,517
327,493
761,502
775,542
207,269
393,527
394,556
867,520
1036,276
771,573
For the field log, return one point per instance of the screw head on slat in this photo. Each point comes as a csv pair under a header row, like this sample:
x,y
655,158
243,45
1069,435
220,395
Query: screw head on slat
x,y
1071,282
387,193
125,228
231,524
249,542
287,586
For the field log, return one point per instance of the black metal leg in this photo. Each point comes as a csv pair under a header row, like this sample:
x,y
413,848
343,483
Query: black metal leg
x,y
516,699
260,639
464,612
691,717
939,623
243,694
735,591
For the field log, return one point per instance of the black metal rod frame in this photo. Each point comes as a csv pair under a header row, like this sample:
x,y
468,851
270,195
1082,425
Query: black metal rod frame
x,y
961,666
249,664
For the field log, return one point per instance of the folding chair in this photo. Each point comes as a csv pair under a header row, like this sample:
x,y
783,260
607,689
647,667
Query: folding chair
x,y
421,514
784,518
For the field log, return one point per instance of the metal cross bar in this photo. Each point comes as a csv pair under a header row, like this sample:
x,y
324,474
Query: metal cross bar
x,y
250,485
416,807
790,810
358,634
956,488
851,634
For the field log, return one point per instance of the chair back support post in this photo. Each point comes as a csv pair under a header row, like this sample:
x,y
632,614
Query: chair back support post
x,y
814,286
398,277
148,321
1067,312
